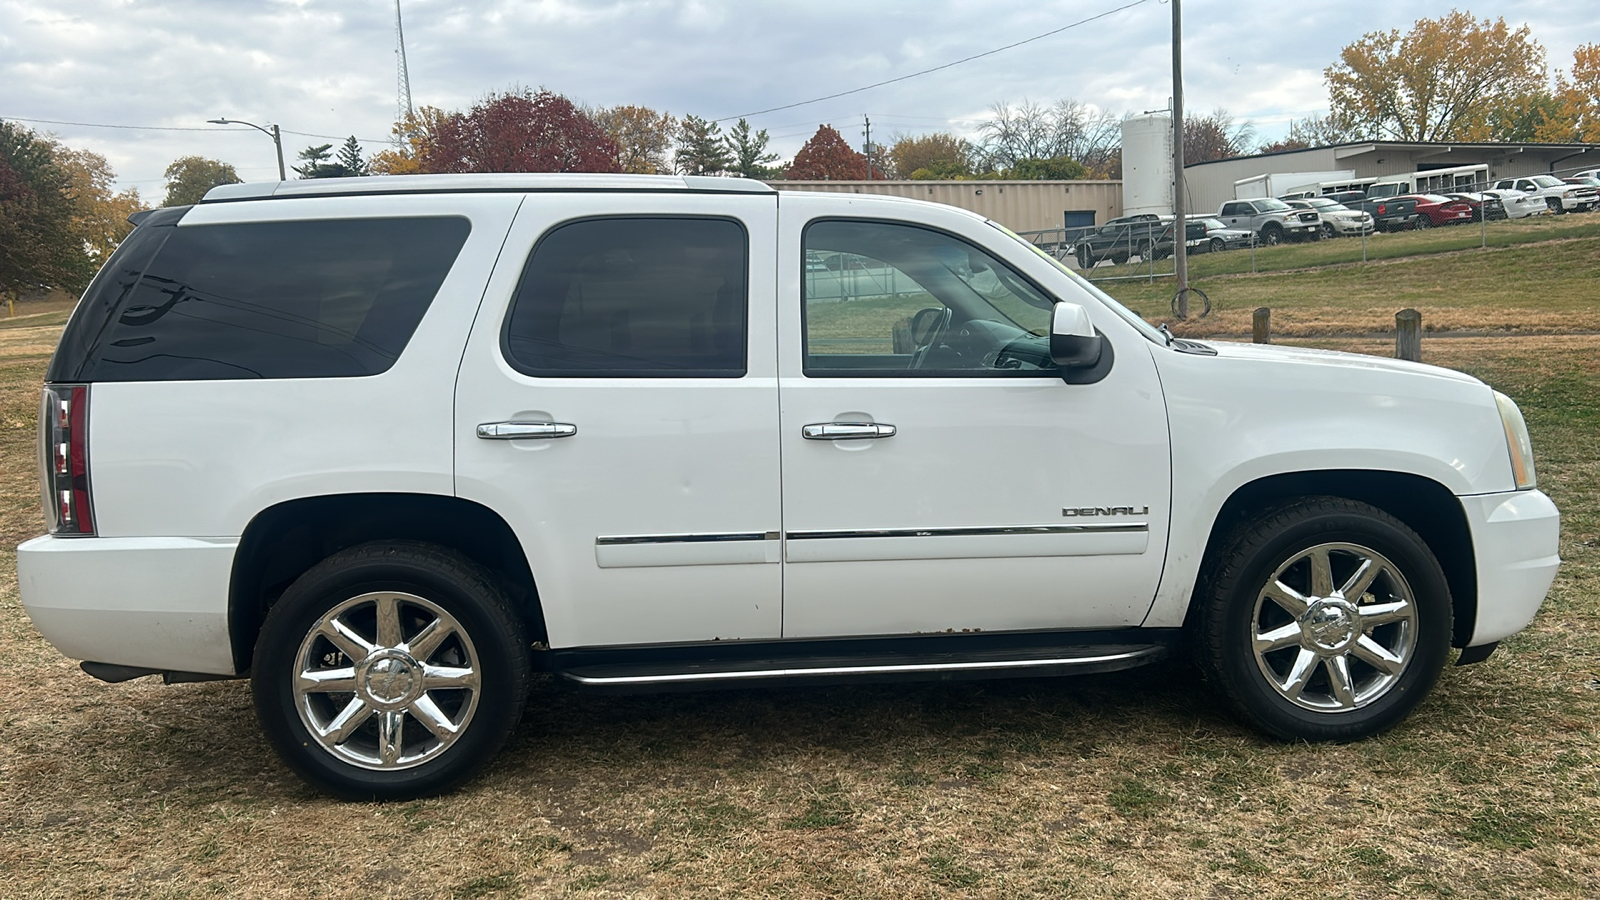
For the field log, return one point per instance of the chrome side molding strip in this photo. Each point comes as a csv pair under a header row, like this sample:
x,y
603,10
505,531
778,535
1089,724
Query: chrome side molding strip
x,y
613,540
757,674
1121,528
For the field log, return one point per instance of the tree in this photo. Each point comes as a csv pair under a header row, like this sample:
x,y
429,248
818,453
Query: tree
x,y
827,157
415,136
701,150
1283,145
1068,128
1437,81
189,177
39,246
938,155
747,152
518,131
1215,136
350,158
642,135
1577,102
316,163
100,216
1324,131
1056,168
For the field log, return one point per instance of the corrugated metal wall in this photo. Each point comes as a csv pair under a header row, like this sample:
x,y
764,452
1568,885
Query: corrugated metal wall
x,y
1018,205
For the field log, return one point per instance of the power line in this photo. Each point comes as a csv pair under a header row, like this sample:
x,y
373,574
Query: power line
x,y
1037,37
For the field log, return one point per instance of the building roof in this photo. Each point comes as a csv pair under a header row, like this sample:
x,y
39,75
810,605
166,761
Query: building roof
x,y
1357,148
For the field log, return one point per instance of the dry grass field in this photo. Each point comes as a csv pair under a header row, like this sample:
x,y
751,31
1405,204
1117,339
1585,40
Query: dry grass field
x,y
1111,786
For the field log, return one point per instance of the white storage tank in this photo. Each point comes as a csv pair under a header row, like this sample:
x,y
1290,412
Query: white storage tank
x,y
1147,164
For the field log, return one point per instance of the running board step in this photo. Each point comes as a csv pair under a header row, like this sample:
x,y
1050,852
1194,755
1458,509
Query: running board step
x,y
666,675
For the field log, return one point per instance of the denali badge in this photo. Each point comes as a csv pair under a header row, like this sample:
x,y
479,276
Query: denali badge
x,y
1105,511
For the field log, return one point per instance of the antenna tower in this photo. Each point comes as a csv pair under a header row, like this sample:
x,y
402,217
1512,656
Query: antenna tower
x,y
404,112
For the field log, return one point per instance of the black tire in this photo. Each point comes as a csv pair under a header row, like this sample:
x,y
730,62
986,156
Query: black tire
x,y
482,661
1118,259
1218,245
1301,700
1327,232
1086,258
1272,234
1555,205
1423,223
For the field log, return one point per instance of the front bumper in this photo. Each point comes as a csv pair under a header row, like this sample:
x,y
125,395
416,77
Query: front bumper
x,y
158,603
1515,539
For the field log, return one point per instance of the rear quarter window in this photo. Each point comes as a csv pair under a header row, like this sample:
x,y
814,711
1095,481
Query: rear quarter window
x,y
308,299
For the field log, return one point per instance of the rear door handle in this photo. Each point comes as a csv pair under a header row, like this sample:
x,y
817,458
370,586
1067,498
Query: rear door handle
x,y
846,431
522,431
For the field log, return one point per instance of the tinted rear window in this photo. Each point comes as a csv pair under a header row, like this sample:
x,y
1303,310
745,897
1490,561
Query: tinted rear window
x,y
314,299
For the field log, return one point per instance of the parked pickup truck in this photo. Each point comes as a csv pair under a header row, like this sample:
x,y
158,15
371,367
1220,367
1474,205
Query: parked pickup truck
x,y
1273,220
1145,236
389,447
1560,196
1388,213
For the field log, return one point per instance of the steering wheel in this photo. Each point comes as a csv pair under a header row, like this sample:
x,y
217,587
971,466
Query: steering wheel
x,y
935,330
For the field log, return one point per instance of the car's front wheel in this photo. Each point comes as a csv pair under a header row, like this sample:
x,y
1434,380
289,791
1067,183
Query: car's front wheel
x,y
1324,619
1218,245
1328,233
389,671
1272,234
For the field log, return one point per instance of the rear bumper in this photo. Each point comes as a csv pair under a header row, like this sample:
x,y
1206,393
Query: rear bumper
x,y
1515,539
159,603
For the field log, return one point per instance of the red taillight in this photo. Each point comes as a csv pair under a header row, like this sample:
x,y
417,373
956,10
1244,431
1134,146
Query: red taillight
x,y
64,459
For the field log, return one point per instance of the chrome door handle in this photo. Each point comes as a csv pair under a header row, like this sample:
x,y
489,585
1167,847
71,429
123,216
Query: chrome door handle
x,y
846,431
522,431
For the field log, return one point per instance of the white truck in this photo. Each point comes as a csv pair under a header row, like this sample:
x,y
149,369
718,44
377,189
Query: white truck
x,y
1281,185
389,446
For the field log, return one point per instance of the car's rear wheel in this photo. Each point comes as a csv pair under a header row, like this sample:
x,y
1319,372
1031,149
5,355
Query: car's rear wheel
x,y
389,671
1422,223
1323,619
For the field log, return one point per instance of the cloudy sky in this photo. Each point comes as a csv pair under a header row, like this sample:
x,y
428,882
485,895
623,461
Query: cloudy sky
x,y
323,69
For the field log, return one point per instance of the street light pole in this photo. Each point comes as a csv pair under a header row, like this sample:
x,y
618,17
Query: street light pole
x,y
270,131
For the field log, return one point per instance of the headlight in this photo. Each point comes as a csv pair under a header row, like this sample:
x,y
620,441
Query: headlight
x,y
1517,443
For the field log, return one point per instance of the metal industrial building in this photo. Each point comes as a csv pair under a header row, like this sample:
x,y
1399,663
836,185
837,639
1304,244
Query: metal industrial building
x,y
1018,205
1211,183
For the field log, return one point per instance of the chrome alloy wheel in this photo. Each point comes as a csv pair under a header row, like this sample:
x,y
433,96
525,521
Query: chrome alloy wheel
x,y
1334,627
386,681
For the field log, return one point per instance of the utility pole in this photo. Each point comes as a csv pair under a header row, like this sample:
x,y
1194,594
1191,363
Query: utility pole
x,y
1180,224
868,146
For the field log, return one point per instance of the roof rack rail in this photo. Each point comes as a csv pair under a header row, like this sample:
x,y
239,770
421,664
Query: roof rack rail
x,y
513,182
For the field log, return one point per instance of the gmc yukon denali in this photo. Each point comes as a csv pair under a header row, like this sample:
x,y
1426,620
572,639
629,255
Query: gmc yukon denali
x,y
388,447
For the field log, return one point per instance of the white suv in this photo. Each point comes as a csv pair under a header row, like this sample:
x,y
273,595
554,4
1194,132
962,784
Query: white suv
x,y
390,446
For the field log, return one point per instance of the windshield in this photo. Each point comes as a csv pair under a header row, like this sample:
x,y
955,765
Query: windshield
x,y
1547,181
1131,317
1267,204
1212,224
1323,203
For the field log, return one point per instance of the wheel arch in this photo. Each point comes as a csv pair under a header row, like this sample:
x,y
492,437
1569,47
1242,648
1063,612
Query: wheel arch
x,y
1424,505
283,541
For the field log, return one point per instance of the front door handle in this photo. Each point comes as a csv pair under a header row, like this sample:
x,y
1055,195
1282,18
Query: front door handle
x,y
522,431
846,431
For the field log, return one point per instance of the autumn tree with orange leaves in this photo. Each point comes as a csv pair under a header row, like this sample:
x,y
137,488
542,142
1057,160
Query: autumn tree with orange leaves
x,y
827,157
1441,81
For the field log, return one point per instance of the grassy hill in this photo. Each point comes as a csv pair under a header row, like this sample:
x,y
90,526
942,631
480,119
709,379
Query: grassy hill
x,y
1536,276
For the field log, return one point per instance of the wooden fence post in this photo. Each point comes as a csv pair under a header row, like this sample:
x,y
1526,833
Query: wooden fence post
x,y
1408,335
1261,326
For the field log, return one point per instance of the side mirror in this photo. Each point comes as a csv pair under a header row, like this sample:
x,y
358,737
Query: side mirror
x,y
1074,344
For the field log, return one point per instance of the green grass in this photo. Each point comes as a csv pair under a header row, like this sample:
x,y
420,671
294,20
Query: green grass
x,y
1519,284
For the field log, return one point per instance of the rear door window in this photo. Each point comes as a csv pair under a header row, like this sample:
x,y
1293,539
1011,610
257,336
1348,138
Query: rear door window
x,y
308,299
633,297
